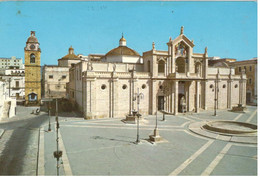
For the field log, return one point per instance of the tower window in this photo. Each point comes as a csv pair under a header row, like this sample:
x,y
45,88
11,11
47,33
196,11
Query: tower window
x,y
32,58
50,76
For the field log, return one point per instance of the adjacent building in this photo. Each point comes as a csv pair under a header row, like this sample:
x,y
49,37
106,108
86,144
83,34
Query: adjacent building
x,y
55,77
12,63
14,80
174,80
249,67
7,104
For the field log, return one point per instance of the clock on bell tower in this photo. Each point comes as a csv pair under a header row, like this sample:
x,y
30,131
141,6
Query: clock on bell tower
x,y
32,61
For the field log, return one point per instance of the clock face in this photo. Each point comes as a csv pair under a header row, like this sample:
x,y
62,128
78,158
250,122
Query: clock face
x,y
32,46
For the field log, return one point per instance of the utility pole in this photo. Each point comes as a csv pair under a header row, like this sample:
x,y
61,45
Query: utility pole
x,y
49,111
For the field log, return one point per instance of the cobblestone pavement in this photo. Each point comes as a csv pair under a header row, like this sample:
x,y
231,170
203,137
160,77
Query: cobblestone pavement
x,y
107,147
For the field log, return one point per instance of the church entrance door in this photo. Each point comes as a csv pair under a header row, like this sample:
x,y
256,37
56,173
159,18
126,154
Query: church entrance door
x,y
160,103
248,97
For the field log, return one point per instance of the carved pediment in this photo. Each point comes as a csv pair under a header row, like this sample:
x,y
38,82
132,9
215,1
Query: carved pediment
x,y
184,39
161,58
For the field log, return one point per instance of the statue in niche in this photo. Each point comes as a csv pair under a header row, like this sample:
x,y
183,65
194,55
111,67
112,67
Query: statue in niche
x,y
198,69
183,104
180,49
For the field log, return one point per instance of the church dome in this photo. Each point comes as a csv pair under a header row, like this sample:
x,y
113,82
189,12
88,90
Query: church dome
x,y
122,50
70,55
32,38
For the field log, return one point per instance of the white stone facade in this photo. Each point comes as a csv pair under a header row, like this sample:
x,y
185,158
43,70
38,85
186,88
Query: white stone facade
x,y
107,88
56,77
14,80
54,81
7,104
13,62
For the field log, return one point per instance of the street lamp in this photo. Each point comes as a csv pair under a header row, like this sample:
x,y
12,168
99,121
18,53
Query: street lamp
x,y
137,97
156,137
216,96
49,112
57,154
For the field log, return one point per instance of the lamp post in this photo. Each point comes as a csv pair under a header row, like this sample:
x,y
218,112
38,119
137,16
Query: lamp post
x,y
216,96
137,97
49,112
57,154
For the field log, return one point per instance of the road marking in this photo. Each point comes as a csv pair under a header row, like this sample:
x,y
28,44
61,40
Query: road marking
x,y
196,135
185,123
251,117
187,118
216,161
41,162
66,163
189,160
236,118
129,128
131,125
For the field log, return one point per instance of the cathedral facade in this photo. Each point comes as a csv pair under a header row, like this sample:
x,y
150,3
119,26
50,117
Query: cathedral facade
x,y
174,81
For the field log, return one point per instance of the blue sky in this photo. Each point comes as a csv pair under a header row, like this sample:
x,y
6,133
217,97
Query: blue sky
x,y
228,29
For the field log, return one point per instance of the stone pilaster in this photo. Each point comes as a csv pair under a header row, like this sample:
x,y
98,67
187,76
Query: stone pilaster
x,y
172,98
176,90
169,60
205,94
115,92
229,94
240,92
153,96
92,98
197,96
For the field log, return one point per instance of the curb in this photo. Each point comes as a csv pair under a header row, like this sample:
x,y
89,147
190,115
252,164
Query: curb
x,y
1,132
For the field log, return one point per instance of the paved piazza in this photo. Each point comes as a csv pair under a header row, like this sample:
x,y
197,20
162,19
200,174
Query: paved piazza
x,y
106,147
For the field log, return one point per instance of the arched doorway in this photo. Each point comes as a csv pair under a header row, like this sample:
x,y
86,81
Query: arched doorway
x,y
32,97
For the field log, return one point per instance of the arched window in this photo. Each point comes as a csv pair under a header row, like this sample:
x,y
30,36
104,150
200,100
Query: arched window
x,y
180,65
32,58
161,66
148,65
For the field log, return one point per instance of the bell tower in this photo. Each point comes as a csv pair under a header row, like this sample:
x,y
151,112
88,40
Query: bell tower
x,y
32,61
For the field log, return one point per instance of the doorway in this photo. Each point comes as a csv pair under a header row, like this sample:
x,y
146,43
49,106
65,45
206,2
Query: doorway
x,y
248,97
160,103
